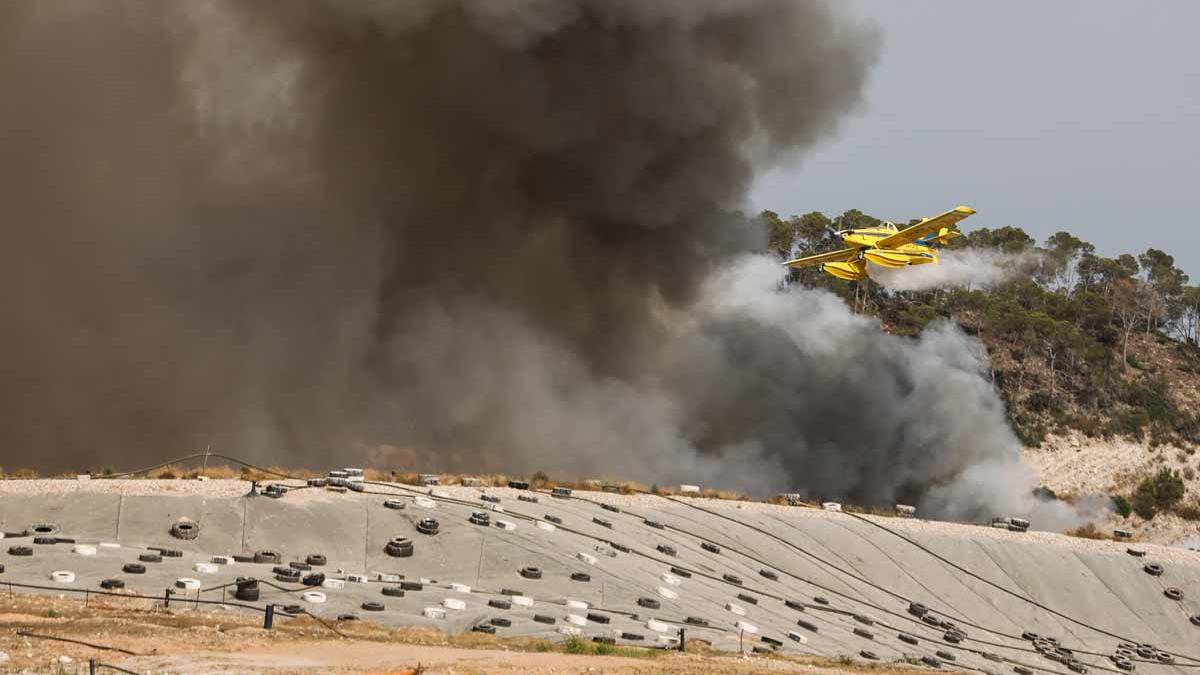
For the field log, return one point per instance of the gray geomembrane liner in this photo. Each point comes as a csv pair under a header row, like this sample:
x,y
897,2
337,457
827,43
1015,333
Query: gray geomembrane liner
x,y
464,566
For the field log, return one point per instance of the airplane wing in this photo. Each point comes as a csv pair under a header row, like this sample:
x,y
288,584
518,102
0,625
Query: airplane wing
x,y
833,256
928,226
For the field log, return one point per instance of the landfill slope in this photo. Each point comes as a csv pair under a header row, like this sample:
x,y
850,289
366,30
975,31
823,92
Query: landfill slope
x,y
760,575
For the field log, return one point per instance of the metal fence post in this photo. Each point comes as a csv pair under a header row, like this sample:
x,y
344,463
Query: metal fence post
x,y
91,666
682,639
269,617
166,597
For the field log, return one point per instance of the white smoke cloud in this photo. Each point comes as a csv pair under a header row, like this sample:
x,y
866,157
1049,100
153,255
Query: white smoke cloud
x,y
959,268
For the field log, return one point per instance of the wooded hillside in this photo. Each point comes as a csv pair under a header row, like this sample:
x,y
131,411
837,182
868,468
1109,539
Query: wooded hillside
x,y
1105,346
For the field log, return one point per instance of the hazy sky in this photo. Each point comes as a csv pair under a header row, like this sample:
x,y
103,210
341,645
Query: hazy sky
x,y
1076,115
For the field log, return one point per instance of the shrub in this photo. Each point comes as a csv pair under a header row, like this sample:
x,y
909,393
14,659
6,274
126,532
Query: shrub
x,y
1121,505
1088,531
1188,511
1159,492
1044,493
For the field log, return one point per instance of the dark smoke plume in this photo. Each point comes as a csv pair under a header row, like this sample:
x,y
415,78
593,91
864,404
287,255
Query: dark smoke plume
x,y
495,235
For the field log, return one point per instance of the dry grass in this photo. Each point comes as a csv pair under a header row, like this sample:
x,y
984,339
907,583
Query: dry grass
x,y
1088,531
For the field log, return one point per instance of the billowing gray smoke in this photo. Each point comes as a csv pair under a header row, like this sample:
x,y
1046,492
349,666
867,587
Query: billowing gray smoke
x,y
445,234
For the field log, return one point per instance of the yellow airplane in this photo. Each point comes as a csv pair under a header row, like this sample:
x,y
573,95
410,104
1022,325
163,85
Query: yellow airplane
x,y
887,246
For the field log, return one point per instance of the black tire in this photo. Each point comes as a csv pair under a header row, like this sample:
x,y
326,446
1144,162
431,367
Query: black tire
x,y
619,547
112,584
747,598
542,618
302,566
501,622
864,620
394,504
511,591
768,574
759,649
598,618
518,484
45,541
527,498
807,625
649,603
1173,593
243,558
917,609
484,628
867,654
186,530
945,655
581,576
711,548
696,621
246,594
1022,670
552,519
771,641
480,518
271,557
288,578
285,570
531,572
1030,635
427,526
400,547
666,549
821,600
42,528
393,591
499,604
655,524
411,585
732,578
794,604
929,619
294,609
602,522
682,573
864,633
610,507
133,568
632,637
21,551
64,540
1135,552
1153,569
372,606
1123,664
347,617
953,637
246,582
908,639
492,499
1195,619
315,559
993,657
931,661
150,558
314,579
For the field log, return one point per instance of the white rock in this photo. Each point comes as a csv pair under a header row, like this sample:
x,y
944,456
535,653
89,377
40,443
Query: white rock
x,y
667,593
586,557
671,579
746,627
576,620
522,600
434,613
735,609
454,603
460,588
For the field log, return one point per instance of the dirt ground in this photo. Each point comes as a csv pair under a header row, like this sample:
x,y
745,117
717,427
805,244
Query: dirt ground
x,y
145,639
